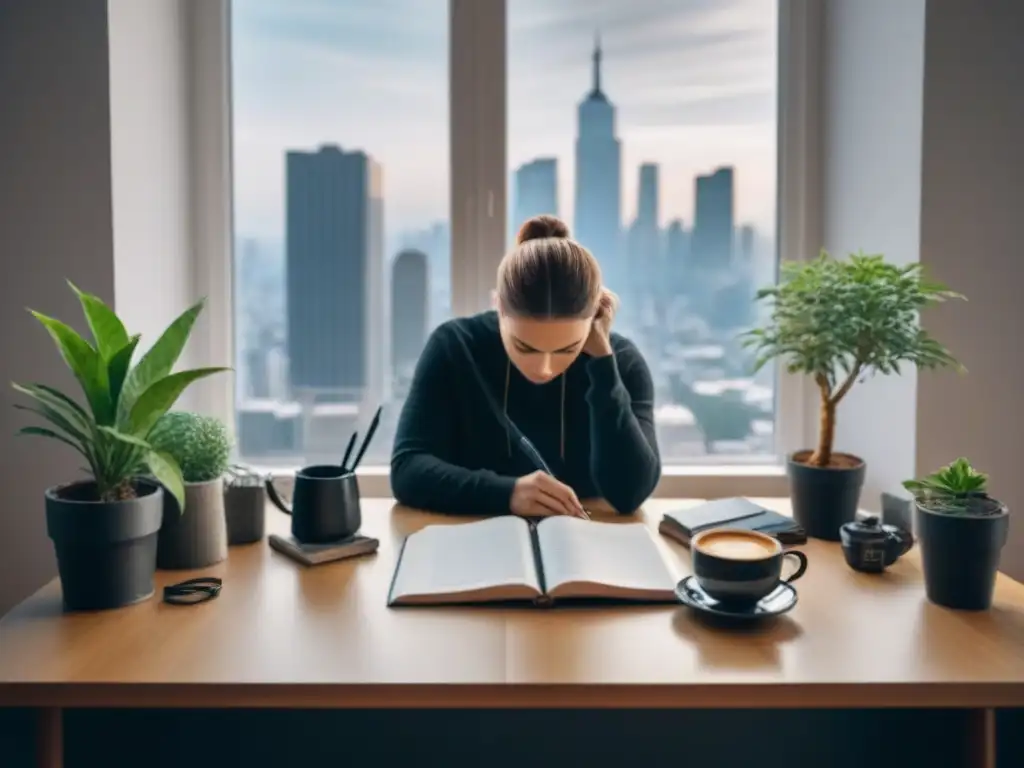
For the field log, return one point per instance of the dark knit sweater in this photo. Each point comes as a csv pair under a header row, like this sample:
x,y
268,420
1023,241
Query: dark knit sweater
x,y
452,452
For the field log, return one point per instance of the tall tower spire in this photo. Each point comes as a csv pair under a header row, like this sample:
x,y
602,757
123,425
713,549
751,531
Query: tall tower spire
x,y
597,62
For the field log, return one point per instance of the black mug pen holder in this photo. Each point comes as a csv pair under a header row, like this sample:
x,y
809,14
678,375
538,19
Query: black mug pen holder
x,y
326,505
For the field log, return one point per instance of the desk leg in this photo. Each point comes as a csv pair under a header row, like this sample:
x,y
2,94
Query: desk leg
x,y
982,738
49,738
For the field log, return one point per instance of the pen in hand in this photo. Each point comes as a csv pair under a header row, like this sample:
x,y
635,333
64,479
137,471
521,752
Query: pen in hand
x,y
538,460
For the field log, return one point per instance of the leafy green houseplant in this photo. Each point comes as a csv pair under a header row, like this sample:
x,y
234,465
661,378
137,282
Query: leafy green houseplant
x,y
122,402
201,447
961,531
838,321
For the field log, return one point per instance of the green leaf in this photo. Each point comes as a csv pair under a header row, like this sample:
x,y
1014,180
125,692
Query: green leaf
x,y
107,330
158,398
117,368
138,442
56,400
43,432
86,364
157,362
58,420
57,394
165,469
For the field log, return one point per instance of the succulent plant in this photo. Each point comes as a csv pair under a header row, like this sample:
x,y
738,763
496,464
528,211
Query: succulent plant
x,y
955,489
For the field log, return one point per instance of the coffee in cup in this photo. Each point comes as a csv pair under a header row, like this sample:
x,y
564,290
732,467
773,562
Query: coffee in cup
x,y
741,566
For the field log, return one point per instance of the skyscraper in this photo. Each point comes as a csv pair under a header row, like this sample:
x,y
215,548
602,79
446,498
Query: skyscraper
x,y
598,198
677,259
647,195
335,283
645,252
536,190
745,245
711,248
409,310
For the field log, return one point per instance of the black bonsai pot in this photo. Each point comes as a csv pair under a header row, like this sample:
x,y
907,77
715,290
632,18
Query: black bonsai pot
x,y
106,550
825,498
960,550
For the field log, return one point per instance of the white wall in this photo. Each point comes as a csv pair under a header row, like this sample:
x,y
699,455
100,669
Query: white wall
x,y
972,236
150,157
871,168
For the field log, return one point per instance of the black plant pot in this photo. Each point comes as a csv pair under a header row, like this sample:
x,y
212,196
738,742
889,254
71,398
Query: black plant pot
x,y
106,551
824,498
960,554
246,509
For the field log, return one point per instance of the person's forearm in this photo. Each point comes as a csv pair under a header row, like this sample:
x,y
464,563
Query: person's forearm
x,y
624,463
426,482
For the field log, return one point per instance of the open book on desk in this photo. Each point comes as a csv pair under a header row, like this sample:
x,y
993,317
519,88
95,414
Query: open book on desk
x,y
511,559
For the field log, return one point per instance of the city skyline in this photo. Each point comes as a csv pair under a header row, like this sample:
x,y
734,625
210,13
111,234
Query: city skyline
x,y
363,280
718,111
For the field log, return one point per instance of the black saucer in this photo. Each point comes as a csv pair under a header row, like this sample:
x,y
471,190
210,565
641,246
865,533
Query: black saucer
x,y
781,600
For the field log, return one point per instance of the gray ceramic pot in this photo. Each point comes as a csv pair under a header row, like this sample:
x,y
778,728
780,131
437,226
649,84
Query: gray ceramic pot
x,y
106,551
199,537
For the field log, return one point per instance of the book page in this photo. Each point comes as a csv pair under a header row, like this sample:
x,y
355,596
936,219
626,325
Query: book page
x,y
467,562
583,558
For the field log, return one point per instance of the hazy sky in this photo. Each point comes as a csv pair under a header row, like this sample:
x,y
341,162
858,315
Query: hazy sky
x,y
693,82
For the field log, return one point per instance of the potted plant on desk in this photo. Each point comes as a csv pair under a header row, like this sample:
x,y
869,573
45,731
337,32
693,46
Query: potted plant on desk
x,y
837,321
961,531
104,529
201,447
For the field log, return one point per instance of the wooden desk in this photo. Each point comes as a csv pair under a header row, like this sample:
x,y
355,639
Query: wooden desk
x,y
285,636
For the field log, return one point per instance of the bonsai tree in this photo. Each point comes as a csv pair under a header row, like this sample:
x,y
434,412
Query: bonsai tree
x,y
838,320
122,402
199,444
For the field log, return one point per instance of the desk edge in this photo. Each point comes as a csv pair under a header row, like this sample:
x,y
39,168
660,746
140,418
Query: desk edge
x,y
514,696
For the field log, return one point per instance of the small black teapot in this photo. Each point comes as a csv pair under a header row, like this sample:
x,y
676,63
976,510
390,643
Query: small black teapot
x,y
872,547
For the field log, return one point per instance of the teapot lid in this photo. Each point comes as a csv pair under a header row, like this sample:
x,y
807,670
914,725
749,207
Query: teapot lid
x,y
866,528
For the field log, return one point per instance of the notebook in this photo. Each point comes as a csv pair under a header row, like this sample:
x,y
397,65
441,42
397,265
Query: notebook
x,y
315,554
739,513
509,559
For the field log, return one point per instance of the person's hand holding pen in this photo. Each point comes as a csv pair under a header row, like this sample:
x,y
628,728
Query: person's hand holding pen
x,y
541,495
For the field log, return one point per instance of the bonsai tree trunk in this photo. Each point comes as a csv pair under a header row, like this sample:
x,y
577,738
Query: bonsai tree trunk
x,y
822,456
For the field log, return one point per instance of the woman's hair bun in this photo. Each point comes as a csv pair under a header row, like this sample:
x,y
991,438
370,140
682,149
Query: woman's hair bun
x,y
540,227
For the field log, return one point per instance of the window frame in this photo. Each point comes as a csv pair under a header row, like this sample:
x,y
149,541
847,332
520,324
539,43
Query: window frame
x,y
477,86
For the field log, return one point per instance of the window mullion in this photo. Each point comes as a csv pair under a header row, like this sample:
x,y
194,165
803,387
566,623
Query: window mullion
x,y
491,66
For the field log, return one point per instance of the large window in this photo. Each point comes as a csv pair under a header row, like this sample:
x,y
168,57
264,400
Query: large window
x,y
362,206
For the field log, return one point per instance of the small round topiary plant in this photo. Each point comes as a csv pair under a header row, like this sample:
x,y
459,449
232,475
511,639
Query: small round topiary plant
x,y
200,444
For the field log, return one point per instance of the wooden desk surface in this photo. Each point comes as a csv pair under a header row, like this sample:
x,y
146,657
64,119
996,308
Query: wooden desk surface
x,y
286,636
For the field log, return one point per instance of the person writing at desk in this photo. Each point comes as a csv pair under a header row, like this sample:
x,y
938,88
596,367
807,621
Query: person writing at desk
x,y
547,361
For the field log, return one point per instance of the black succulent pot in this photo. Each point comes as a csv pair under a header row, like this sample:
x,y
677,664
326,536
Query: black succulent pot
x,y
825,498
960,551
106,550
